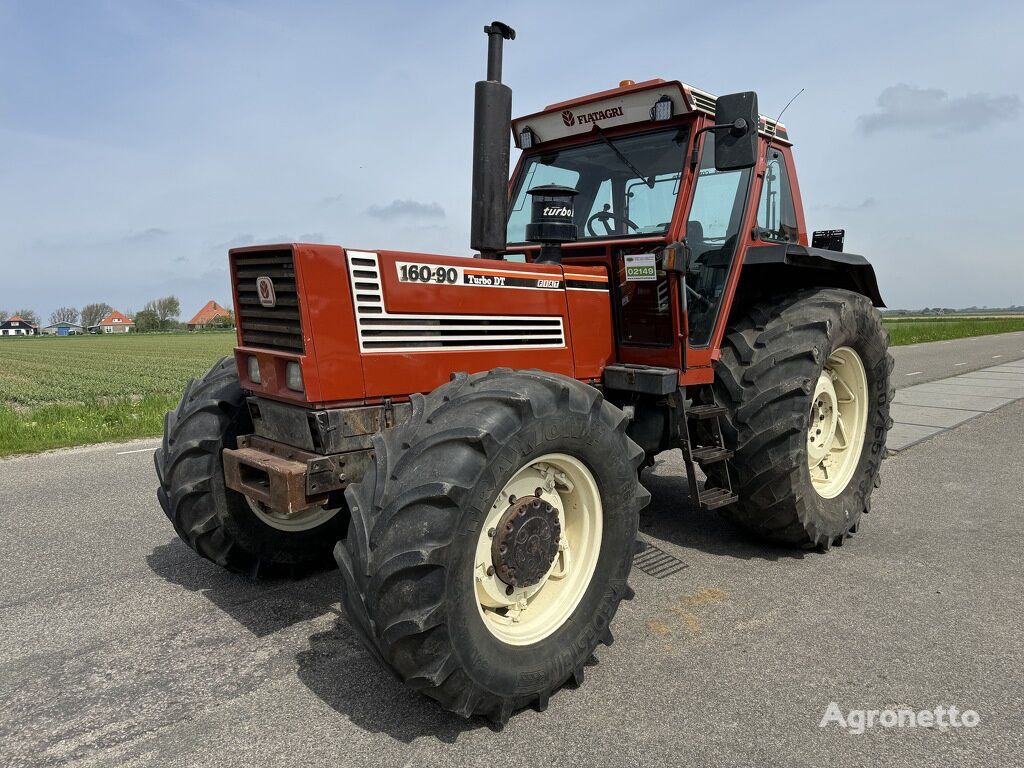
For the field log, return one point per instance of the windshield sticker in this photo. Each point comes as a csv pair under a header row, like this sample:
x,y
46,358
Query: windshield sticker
x,y
640,266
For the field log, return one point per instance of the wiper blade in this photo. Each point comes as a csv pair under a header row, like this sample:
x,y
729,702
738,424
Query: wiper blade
x,y
623,158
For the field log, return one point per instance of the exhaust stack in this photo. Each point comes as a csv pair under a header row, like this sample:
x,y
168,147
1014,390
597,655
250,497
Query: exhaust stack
x,y
492,117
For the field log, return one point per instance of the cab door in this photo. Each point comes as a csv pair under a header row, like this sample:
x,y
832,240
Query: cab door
x,y
717,226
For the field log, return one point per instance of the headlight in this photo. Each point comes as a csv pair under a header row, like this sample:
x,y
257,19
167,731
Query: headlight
x,y
293,377
253,366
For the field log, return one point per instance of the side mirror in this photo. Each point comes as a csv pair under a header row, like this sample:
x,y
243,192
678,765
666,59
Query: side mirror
x,y
736,147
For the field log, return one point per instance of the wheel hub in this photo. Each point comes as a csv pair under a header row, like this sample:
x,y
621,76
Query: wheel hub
x,y
824,415
525,542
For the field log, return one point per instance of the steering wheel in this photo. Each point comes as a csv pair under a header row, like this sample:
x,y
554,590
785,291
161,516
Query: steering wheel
x,y
605,216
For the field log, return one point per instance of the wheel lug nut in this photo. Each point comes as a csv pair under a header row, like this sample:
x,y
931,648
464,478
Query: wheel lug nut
x,y
490,570
492,532
509,589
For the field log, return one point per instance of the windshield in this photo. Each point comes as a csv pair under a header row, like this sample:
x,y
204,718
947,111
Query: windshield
x,y
613,200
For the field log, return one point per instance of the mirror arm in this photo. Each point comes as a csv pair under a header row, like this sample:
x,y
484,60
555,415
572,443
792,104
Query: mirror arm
x,y
737,129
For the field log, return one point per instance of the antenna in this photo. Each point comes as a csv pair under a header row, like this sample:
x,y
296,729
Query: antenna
x,y
772,137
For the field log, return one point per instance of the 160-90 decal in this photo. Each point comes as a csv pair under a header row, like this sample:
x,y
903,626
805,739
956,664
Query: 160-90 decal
x,y
424,273
485,278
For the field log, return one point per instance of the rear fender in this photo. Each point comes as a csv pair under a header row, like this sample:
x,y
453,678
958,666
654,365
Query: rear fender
x,y
791,266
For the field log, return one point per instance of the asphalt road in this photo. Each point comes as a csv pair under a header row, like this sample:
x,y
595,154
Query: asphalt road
x,y
918,363
122,648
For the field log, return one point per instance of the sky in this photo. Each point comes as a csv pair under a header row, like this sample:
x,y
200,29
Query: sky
x,y
140,140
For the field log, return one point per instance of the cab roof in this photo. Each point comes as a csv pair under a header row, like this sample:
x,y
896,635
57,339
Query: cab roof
x,y
629,103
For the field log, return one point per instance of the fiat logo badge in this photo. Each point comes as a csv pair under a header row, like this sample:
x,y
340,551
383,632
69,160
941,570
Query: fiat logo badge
x,y
265,289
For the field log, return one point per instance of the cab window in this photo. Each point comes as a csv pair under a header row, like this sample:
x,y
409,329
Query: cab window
x,y
712,234
776,216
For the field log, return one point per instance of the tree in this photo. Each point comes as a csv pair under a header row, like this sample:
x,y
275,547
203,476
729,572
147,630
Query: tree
x,y
146,320
93,313
224,322
167,309
64,315
29,315
3,315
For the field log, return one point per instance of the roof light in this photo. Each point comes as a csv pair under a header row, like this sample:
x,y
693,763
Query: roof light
x,y
624,83
527,138
662,109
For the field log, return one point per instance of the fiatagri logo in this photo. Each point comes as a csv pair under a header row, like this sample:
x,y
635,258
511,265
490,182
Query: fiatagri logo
x,y
571,119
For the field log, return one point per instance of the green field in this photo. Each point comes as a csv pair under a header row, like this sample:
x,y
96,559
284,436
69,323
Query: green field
x,y
57,392
914,330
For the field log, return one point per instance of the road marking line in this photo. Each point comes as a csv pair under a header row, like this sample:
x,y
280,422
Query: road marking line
x,y
915,373
994,357
139,450
959,363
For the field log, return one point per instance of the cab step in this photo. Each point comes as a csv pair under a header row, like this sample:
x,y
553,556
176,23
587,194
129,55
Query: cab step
x,y
704,445
713,498
710,454
705,411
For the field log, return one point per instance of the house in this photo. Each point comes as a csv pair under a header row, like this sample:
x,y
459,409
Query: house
x,y
208,316
18,326
63,329
115,322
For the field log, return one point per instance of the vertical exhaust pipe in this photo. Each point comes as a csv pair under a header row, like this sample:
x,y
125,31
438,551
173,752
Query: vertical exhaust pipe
x,y
492,118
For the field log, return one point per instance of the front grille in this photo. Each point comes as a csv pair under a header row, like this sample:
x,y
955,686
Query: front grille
x,y
277,327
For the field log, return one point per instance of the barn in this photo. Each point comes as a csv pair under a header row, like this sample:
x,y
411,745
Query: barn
x,y
64,329
208,315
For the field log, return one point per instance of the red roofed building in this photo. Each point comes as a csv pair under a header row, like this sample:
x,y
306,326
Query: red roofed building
x,y
115,322
208,315
18,326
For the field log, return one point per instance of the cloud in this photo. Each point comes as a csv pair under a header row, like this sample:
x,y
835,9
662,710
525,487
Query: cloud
x,y
907,107
180,260
312,237
146,236
237,241
406,209
331,199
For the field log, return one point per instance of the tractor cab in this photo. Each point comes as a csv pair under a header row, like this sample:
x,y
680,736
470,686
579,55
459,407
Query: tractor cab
x,y
641,159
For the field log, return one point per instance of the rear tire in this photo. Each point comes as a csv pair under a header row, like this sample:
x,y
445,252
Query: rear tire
x,y
776,360
412,562
213,520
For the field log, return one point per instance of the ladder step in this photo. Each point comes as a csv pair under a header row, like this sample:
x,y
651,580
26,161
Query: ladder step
x,y
705,411
710,454
716,497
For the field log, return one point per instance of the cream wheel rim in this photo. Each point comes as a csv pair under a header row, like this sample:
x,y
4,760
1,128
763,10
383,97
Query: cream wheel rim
x,y
837,423
301,521
526,615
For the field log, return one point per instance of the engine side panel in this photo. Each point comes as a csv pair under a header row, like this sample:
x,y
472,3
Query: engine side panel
x,y
589,300
421,317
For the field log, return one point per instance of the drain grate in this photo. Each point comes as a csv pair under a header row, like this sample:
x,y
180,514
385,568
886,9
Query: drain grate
x,y
656,562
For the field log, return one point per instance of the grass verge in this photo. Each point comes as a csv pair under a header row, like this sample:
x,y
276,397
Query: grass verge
x,y
66,424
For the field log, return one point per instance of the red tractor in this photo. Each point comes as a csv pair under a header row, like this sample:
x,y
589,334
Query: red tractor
x,y
465,436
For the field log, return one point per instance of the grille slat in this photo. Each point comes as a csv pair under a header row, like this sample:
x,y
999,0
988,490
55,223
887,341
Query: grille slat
x,y
278,327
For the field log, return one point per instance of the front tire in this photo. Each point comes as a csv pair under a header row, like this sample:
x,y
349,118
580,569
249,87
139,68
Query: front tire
x,y
215,521
805,382
484,457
